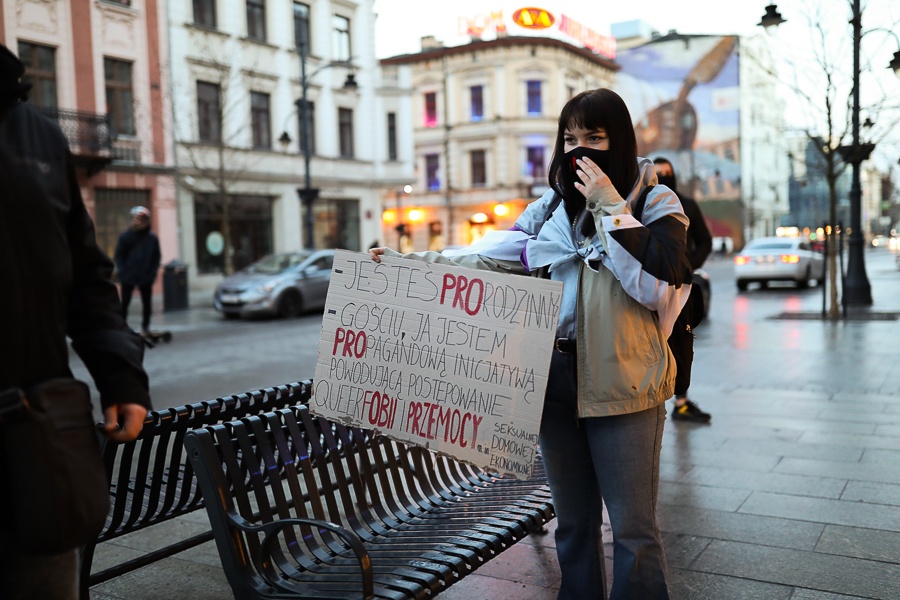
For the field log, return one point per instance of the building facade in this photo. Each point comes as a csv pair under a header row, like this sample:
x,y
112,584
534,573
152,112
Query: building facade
x,y
765,170
97,68
484,120
239,73
809,195
876,201
699,101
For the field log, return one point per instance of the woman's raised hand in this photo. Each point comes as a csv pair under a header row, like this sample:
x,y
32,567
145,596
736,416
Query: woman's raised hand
x,y
376,253
593,179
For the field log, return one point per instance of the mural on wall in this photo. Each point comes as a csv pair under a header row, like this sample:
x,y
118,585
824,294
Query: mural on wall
x,y
683,94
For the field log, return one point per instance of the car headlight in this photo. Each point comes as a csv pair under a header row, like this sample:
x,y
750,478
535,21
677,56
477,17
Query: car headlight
x,y
267,287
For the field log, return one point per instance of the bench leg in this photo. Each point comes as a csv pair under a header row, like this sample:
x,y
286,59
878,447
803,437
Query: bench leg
x,y
85,561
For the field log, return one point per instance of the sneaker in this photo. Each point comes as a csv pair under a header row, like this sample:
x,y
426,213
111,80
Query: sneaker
x,y
690,412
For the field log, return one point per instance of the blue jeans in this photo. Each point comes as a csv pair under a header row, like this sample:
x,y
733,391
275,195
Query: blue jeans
x,y
615,459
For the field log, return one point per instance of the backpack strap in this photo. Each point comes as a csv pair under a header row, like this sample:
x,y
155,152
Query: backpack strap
x,y
637,209
544,272
551,208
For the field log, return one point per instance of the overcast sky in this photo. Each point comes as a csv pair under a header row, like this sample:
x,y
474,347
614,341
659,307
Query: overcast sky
x,y
401,23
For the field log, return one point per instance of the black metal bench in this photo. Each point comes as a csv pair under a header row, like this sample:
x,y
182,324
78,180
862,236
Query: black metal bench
x,y
152,481
302,507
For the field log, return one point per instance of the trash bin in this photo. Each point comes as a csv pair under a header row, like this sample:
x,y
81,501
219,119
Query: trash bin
x,y
175,286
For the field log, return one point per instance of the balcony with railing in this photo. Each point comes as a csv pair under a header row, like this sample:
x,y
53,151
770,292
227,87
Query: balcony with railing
x,y
91,140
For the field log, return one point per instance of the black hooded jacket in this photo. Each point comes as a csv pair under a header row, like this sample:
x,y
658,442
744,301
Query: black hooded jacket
x,y
699,240
56,280
137,257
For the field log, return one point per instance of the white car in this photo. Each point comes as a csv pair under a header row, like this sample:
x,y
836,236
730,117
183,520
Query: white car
x,y
880,241
778,259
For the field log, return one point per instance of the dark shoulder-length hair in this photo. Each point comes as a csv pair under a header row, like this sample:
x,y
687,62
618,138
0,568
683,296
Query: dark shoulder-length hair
x,y
599,109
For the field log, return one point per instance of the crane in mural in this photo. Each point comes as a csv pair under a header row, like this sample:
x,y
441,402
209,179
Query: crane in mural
x,y
672,125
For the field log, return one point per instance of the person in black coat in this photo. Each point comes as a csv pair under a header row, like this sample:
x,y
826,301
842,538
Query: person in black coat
x,y
699,242
56,283
137,263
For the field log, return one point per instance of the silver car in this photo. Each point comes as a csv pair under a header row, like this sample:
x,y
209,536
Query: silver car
x,y
284,284
778,259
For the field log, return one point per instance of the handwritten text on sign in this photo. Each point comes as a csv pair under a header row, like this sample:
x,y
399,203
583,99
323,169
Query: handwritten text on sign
x,y
452,359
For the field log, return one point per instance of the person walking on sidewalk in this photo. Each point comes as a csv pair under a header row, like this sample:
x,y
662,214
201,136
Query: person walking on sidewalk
x,y
699,243
137,263
611,370
57,283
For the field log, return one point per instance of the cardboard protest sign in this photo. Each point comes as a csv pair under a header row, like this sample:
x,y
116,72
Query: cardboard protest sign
x,y
449,358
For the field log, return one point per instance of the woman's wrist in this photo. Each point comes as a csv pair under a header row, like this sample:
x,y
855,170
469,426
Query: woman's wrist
x,y
606,199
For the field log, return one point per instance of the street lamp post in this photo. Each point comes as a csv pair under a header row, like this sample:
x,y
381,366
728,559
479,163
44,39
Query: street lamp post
x,y
857,291
309,194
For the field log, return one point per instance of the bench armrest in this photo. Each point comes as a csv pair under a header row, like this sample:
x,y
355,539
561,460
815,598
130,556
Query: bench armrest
x,y
271,531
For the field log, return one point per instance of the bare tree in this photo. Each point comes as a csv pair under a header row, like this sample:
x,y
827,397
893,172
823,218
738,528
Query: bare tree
x,y
221,158
822,83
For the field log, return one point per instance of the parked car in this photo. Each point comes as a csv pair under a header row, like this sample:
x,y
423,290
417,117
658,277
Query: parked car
x,y
285,285
778,259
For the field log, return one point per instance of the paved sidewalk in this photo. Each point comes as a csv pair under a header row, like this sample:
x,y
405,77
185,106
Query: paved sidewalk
x,y
792,493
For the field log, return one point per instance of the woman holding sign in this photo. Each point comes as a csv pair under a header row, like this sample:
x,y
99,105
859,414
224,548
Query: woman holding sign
x,y
625,282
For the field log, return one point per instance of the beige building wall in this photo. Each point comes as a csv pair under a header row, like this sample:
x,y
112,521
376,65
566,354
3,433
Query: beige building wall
x,y
457,210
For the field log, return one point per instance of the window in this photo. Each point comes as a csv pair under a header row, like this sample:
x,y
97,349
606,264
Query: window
x,y
534,97
245,220
209,112
256,19
341,39
477,102
40,72
479,175
205,13
337,224
260,120
119,96
392,135
430,109
301,25
432,162
345,132
311,111
535,166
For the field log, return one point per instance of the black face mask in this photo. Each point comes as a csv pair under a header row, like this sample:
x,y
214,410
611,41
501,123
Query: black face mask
x,y
600,157
667,180
568,172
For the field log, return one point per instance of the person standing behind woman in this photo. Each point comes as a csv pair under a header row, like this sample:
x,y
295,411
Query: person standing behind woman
x,y
137,262
611,370
699,243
